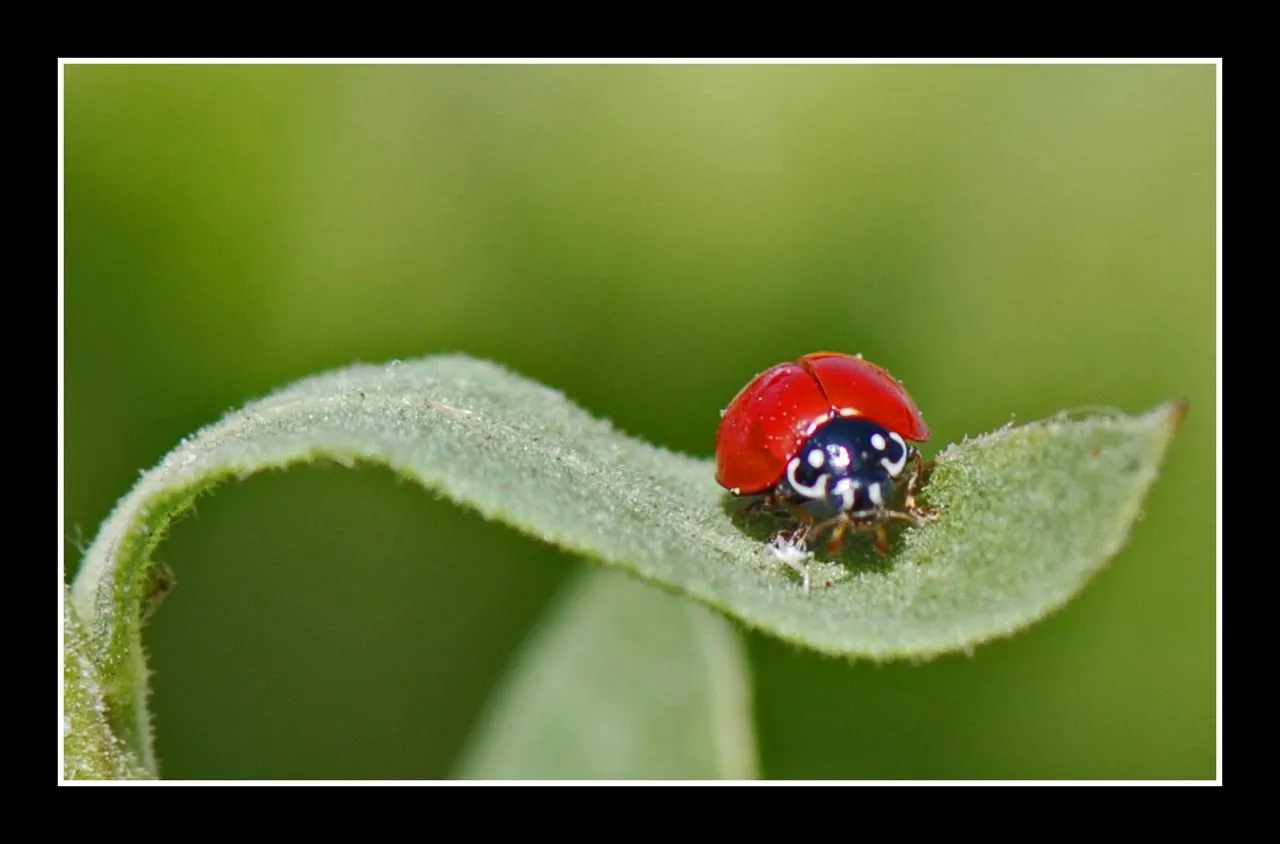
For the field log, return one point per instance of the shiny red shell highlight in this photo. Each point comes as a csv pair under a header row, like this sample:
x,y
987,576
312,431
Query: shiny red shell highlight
x,y
765,425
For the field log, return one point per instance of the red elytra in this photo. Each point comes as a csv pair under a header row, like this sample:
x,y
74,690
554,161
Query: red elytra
x,y
771,418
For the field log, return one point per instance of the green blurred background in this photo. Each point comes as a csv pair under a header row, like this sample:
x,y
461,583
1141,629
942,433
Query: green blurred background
x,y
1008,240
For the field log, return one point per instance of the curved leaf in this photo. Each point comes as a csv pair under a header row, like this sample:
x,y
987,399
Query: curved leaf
x,y
90,748
1029,513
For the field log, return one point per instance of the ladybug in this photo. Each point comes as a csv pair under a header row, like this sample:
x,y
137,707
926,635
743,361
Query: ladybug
x,y
826,439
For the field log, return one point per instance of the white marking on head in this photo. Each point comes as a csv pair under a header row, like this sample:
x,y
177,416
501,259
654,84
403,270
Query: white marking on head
x,y
817,490
816,458
878,442
845,490
877,497
895,467
841,458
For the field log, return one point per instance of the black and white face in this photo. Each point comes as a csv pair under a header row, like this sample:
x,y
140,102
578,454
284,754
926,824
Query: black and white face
x,y
850,464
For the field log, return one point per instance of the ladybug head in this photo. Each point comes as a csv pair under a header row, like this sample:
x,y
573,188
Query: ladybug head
x,y
847,465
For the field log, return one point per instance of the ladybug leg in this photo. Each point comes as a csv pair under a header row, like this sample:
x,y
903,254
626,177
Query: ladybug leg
x,y
800,514
836,543
816,528
915,518
882,539
919,514
875,521
839,526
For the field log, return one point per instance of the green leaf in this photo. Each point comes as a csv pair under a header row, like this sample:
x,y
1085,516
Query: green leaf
x,y
90,749
623,682
1029,513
